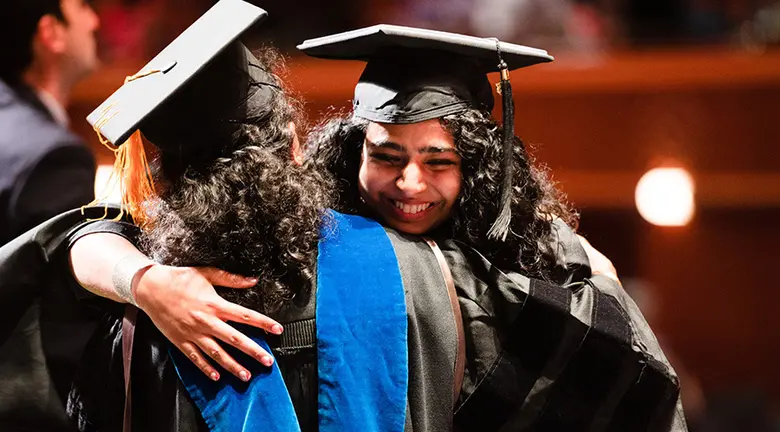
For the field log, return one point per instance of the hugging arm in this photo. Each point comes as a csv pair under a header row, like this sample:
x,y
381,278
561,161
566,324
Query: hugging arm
x,y
181,301
599,263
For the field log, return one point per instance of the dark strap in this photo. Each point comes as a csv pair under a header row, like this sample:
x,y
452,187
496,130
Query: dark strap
x,y
460,360
128,330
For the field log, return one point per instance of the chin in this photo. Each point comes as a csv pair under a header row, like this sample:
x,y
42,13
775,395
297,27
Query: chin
x,y
414,230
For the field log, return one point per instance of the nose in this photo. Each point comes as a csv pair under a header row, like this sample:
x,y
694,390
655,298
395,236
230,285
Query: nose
x,y
412,179
93,19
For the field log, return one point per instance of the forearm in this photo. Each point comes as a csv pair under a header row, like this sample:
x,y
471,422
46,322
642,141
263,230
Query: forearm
x,y
181,302
94,261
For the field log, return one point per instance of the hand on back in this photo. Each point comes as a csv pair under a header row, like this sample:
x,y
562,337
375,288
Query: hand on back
x,y
182,303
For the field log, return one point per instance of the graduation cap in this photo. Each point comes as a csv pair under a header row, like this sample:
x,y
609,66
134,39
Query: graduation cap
x,y
187,100
413,75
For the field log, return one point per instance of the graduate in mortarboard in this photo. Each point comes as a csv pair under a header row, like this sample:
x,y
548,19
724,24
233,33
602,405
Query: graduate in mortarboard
x,y
370,338
421,152
422,113
377,362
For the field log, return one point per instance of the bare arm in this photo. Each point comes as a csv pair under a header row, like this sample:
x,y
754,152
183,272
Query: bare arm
x,y
181,302
93,259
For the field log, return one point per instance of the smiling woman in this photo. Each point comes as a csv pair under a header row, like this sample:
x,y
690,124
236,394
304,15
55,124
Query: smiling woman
x,y
382,168
421,152
410,174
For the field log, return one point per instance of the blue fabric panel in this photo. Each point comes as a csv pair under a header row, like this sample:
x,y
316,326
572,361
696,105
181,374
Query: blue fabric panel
x,y
231,405
361,329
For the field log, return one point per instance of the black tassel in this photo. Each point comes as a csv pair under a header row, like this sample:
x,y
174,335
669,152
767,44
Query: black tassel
x,y
501,226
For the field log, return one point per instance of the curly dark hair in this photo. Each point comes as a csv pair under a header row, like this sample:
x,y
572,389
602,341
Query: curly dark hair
x,y
531,246
250,210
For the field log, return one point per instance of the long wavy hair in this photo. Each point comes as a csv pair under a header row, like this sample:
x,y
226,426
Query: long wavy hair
x,y
531,247
249,209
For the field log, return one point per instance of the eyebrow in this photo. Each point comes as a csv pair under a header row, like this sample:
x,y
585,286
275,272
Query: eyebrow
x,y
437,149
389,145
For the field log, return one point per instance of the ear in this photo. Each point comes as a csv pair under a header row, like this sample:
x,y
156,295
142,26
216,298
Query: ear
x,y
51,34
296,151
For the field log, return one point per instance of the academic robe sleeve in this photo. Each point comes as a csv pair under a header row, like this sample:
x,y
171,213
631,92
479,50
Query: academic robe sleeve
x,y
542,356
35,261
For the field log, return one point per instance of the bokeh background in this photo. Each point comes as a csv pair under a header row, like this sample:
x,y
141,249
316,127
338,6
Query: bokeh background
x,y
636,85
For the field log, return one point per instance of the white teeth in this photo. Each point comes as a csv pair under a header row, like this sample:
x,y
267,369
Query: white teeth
x,y
411,208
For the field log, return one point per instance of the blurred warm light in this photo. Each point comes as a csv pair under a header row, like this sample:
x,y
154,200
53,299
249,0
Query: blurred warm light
x,y
107,188
664,196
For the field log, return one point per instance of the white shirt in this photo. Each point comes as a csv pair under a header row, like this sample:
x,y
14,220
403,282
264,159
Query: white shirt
x,y
55,108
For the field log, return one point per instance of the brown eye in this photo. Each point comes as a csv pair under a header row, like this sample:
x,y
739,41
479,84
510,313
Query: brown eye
x,y
441,163
383,157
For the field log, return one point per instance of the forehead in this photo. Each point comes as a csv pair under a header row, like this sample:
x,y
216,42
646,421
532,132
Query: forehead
x,y
411,136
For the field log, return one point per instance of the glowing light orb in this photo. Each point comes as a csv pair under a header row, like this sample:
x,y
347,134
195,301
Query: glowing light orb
x,y
664,197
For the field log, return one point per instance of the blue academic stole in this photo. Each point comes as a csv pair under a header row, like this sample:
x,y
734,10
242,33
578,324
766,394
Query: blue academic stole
x,y
362,358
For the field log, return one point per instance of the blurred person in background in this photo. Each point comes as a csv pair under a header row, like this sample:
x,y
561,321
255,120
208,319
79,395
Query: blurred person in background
x,y
562,25
47,46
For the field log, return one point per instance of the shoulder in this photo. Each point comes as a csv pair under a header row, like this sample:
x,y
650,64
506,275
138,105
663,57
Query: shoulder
x,y
28,138
26,132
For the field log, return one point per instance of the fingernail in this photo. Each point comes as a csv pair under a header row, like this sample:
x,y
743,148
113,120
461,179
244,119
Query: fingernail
x,y
244,375
277,329
268,361
214,376
253,280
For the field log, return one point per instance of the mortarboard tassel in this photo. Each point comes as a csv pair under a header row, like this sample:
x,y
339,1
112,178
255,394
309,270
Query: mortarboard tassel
x,y
135,177
131,168
501,226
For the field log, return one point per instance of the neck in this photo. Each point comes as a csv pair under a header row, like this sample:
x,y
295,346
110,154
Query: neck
x,y
47,80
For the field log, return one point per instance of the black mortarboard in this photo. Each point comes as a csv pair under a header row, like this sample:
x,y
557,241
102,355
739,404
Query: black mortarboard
x,y
193,88
415,74
189,99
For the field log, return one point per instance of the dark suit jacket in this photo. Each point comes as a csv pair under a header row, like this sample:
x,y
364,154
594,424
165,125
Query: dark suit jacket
x,y
44,171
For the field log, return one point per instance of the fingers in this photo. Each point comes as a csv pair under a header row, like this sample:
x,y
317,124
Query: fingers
x,y
222,278
218,354
233,312
196,357
230,335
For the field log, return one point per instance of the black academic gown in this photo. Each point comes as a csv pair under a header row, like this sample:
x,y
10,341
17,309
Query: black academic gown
x,y
539,356
573,356
549,357
160,402
39,357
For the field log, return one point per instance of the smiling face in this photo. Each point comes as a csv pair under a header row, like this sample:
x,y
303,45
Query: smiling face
x,y
410,174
